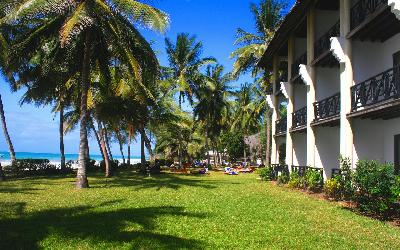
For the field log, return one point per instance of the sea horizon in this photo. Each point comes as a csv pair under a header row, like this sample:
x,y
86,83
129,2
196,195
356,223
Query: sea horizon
x,y
55,157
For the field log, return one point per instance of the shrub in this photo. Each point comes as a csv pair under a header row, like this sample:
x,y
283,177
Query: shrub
x,y
346,176
295,180
376,185
313,180
31,167
283,179
333,188
266,174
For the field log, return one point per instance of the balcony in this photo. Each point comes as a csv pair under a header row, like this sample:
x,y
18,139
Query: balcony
x,y
372,20
280,127
283,77
296,66
327,111
322,48
299,120
377,97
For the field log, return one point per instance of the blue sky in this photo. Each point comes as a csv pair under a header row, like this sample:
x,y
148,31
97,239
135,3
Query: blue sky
x,y
214,22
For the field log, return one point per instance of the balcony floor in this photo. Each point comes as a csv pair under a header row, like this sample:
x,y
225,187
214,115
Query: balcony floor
x,y
332,121
385,110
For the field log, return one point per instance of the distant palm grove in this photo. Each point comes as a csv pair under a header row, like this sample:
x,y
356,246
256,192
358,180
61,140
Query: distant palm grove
x,y
88,60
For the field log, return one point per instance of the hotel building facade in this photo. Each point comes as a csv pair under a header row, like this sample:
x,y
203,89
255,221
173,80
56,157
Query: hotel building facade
x,y
336,64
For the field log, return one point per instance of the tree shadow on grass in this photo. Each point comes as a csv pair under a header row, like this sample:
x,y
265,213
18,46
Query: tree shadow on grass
x,y
24,190
134,227
170,181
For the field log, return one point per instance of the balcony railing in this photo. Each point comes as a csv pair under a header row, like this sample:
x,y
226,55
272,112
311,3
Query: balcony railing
x,y
379,88
279,169
362,9
328,107
283,77
299,118
281,125
295,66
323,44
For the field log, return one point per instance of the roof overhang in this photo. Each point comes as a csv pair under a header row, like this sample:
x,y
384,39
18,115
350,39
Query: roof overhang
x,y
282,33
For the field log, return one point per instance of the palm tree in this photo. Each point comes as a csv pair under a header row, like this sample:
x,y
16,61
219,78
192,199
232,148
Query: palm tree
x,y
4,48
267,16
106,25
213,104
185,61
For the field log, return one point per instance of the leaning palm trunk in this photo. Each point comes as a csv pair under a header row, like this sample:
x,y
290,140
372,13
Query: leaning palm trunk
x,y
104,149
6,134
142,156
82,181
148,146
61,130
1,173
108,143
120,146
268,135
96,135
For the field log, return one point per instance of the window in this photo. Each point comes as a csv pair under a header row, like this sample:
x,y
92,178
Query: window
x,y
397,153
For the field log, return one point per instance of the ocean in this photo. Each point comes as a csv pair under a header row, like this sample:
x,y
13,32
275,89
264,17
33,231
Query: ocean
x,y
5,156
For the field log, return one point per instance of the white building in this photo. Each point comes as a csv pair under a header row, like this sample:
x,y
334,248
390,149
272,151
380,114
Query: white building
x,y
337,65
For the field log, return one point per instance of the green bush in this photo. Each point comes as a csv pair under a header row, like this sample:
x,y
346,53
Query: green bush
x,y
283,179
266,174
345,179
296,181
377,186
313,180
31,167
333,188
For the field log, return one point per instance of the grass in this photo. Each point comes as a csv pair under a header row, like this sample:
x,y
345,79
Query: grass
x,y
176,211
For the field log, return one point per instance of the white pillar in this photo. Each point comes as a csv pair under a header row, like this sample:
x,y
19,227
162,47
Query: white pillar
x,y
346,81
290,106
274,151
310,88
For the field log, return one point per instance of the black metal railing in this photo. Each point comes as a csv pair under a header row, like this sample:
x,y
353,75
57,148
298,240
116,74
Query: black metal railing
x,y
301,170
296,64
327,108
323,44
362,9
299,118
379,88
336,172
283,77
280,169
281,125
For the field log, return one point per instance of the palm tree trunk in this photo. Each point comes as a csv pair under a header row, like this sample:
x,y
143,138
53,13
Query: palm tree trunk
x,y
1,173
104,149
142,155
6,134
180,136
208,151
61,130
130,132
108,143
268,135
120,145
96,134
244,150
148,146
81,178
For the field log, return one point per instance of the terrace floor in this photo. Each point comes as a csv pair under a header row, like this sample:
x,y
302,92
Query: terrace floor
x,y
173,211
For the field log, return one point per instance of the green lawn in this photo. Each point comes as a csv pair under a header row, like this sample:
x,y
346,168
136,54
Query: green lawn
x,y
174,211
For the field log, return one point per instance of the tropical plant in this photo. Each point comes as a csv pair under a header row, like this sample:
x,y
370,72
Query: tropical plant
x,y
267,16
106,25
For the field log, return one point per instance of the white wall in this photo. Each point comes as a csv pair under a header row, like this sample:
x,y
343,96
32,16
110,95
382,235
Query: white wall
x,y
324,20
299,149
300,47
328,82
300,96
370,59
327,146
374,139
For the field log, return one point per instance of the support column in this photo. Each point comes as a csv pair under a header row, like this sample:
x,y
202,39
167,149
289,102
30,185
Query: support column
x,y
274,151
310,88
346,81
290,106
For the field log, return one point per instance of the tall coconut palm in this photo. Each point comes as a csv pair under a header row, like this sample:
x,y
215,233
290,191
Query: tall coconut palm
x,y
185,61
267,16
106,25
4,51
213,104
